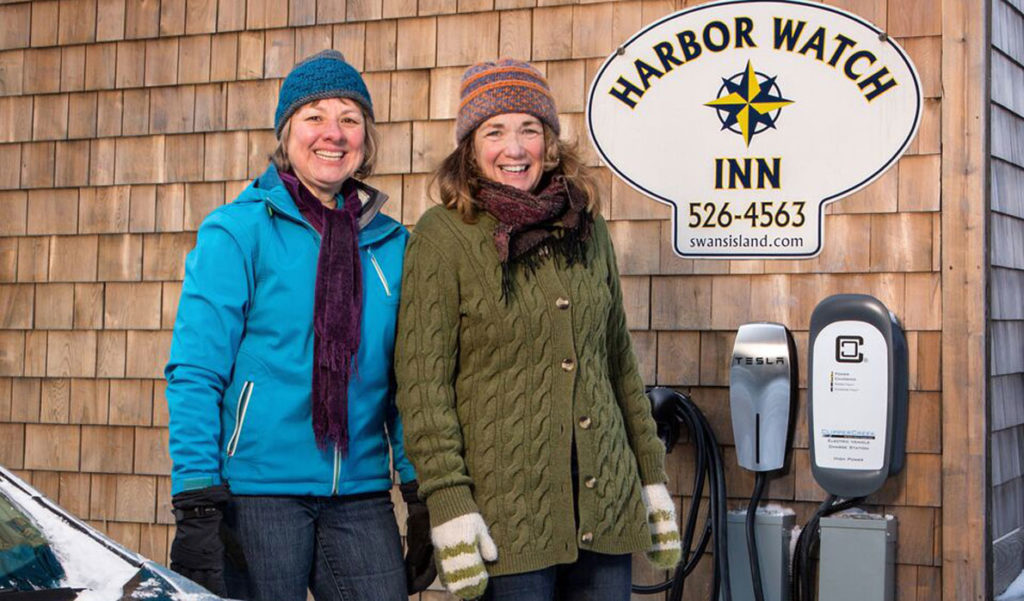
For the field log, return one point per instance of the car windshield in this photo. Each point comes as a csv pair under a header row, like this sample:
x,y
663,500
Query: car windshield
x,y
47,554
27,562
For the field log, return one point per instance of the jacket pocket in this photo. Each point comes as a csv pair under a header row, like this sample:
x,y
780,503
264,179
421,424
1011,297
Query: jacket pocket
x,y
243,405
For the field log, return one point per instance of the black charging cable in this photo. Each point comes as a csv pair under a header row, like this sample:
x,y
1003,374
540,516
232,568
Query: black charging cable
x,y
671,410
801,581
760,478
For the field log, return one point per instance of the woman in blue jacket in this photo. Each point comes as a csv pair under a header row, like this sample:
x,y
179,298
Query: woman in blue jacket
x,y
280,382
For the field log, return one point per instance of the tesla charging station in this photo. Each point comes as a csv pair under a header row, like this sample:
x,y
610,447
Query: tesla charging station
x,y
761,389
762,394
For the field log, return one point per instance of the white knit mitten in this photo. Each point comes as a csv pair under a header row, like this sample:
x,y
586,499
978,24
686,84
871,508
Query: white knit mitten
x,y
461,546
666,549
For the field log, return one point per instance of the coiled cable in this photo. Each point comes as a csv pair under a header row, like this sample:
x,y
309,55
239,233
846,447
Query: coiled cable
x,y
671,410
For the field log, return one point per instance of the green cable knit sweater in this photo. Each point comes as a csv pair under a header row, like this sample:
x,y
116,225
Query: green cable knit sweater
x,y
492,396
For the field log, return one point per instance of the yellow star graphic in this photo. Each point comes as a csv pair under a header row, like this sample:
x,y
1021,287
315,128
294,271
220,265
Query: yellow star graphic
x,y
749,96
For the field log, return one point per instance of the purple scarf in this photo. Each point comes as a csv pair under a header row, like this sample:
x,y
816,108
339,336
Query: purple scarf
x,y
337,307
555,218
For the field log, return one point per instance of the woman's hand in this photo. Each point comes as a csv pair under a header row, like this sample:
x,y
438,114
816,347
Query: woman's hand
x,y
462,545
666,549
197,552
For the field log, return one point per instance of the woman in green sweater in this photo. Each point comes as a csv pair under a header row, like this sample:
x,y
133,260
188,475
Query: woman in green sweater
x,y
524,412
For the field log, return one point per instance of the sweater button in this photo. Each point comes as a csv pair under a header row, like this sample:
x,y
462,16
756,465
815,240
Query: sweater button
x,y
585,422
587,538
568,364
562,303
590,482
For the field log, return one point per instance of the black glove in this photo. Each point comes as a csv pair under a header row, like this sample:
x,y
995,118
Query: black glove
x,y
197,552
420,569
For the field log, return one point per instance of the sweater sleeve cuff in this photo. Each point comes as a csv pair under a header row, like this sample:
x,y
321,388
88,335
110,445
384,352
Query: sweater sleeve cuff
x,y
449,503
652,469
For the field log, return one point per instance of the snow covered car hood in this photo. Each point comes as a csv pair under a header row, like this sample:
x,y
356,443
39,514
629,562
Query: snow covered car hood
x,y
42,546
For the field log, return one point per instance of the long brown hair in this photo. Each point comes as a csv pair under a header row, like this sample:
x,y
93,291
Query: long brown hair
x,y
458,178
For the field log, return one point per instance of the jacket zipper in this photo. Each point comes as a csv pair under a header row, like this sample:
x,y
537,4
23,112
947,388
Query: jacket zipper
x,y
271,208
337,469
241,408
380,272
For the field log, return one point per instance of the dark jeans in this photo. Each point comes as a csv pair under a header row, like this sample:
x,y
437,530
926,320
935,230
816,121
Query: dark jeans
x,y
594,577
340,549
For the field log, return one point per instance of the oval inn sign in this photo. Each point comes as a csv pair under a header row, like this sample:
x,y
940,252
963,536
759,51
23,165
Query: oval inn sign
x,y
750,116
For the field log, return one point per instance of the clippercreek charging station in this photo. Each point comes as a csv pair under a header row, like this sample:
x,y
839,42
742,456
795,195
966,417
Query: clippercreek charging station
x,y
857,395
857,422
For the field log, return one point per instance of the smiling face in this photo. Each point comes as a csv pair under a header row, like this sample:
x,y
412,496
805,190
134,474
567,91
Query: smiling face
x,y
509,149
325,144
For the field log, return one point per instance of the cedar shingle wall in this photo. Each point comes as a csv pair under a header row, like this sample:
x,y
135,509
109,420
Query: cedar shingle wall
x,y
1006,308
124,122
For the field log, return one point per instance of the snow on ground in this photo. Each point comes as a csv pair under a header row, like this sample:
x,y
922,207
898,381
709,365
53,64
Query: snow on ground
x,y
87,564
1015,592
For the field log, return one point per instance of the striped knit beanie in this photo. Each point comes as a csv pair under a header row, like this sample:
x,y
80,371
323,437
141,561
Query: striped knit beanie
x,y
507,86
323,75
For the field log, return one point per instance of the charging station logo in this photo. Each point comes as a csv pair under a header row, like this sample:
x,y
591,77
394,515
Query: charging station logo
x,y
848,349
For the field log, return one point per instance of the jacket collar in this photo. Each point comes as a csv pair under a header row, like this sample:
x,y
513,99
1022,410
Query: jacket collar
x,y
371,229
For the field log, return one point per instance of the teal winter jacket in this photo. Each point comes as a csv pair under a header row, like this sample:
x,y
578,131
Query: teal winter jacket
x,y
239,379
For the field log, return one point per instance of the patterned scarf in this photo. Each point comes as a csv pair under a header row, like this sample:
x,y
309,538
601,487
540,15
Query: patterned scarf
x,y
337,307
556,218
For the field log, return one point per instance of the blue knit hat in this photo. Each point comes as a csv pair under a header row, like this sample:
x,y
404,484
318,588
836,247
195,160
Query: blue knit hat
x,y
507,86
323,75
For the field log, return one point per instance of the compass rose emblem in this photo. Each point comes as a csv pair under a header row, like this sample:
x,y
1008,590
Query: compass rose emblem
x,y
749,103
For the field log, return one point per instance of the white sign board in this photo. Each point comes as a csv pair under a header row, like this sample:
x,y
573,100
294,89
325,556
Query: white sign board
x,y
749,116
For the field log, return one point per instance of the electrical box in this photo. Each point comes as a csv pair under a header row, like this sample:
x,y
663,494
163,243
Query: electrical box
x,y
858,558
857,394
773,531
